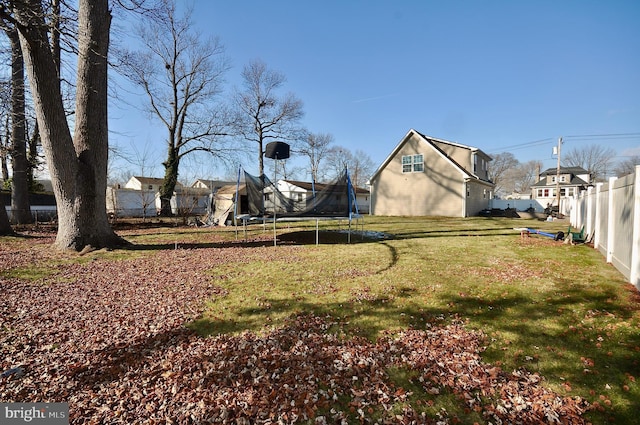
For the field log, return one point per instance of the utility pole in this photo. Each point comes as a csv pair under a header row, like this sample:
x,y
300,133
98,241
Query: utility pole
x,y
558,175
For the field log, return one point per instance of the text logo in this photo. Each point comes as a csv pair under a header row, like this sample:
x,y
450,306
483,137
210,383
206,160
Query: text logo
x,y
34,413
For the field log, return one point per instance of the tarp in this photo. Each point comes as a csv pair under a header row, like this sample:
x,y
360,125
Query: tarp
x,y
223,203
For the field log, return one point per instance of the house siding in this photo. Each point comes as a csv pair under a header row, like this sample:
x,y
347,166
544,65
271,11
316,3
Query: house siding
x,y
478,196
461,156
436,191
454,182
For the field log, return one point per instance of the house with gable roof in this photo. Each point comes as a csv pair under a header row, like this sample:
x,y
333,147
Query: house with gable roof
x,y
426,176
570,180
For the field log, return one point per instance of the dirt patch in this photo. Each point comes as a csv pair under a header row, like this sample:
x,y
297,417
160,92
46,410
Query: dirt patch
x,y
308,237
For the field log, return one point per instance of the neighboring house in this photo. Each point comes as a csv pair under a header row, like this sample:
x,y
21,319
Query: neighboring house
x,y
131,202
212,185
518,195
428,176
139,198
572,181
188,201
150,184
302,192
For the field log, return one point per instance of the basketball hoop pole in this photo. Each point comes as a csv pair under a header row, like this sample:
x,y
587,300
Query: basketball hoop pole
x,y
275,182
275,151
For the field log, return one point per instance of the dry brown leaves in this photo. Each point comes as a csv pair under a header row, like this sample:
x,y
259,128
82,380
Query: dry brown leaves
x,y
108,338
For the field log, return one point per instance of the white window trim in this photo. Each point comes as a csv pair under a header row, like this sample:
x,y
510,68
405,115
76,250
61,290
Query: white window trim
x,y
412,163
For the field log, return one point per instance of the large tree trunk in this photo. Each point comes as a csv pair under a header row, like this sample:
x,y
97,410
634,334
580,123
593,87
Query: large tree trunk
x,y
77,166
21,209
171,166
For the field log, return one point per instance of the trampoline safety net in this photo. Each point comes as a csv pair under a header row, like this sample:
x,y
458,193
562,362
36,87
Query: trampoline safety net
x,y
335,199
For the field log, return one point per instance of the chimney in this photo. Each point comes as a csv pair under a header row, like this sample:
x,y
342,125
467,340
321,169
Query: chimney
x,y
537,173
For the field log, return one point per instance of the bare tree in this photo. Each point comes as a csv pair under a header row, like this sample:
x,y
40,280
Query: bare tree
x,y
498,167
77,163
627,166
520,178
261,116
359,164
338,158
20,207
5,225
5,129
596,159
34,158
315,146
362,168
181,74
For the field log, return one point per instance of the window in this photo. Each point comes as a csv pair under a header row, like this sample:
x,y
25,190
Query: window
x,y
299,197
150,187
412,163
267,196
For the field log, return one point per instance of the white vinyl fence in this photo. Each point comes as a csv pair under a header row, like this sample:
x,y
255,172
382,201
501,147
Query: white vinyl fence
x,y
610,213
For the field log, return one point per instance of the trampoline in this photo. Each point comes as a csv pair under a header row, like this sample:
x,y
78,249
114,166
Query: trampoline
x,y
265,203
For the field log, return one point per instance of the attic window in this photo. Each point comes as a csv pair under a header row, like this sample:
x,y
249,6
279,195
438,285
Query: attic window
x,y
412,163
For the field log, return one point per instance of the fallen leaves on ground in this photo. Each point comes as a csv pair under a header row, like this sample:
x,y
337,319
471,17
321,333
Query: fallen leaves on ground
x,y
108,337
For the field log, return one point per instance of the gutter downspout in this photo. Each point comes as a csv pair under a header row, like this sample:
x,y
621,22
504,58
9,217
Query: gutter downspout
x,y
465,183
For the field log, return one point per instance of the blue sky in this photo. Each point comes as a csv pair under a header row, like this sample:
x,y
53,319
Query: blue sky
x,y
497,75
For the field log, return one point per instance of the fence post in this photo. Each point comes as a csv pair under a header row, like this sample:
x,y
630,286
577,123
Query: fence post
x,y
573,211
597,230
611,222
589,216
634,275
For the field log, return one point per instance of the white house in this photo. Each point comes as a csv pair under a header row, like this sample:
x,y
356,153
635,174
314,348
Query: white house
x,y
570,180
188,201
131,202
140,198
212,185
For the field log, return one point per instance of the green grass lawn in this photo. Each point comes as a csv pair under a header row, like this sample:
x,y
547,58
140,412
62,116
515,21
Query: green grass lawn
x,y
544,306
551,308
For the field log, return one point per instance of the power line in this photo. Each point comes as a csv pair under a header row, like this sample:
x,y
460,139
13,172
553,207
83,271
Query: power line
x,y
525,145
603,137
610,135
583,137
